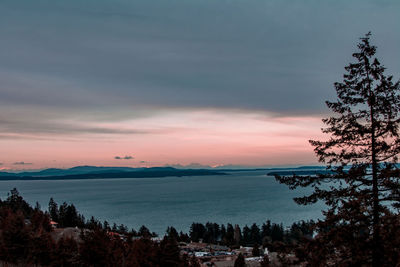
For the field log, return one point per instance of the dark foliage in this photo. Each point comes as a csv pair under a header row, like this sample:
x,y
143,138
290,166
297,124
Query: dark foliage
x,y
194,262
66,252
16,203
169,253
362,186
24,233
240,262
269,234
143,252
27,238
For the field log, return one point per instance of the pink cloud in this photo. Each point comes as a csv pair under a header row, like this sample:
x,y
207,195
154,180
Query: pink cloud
x,y
209,137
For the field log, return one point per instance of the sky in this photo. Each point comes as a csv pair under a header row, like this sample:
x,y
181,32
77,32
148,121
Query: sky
x,y
165,82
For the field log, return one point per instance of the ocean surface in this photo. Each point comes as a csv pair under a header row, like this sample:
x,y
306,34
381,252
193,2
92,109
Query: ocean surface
x,y
244,197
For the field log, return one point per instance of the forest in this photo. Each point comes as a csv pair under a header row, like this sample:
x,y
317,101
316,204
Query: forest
x,y
27,238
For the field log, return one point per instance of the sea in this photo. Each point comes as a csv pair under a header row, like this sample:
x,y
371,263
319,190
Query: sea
x,y
240,197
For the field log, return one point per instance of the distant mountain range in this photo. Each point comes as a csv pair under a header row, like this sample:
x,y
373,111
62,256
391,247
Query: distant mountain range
x,y
299,172
93,172
238,167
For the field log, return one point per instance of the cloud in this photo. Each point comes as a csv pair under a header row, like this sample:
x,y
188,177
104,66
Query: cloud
x,y
259,55
124,158
26,125
22,163
23,123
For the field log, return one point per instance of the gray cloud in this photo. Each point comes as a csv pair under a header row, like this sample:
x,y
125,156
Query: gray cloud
x,y
276,56
124,158
22,163
38,125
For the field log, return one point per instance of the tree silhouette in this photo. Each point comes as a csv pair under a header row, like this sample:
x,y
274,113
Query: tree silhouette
x,y
16,202
197,231
53,210
15,238
169,253
171,233
95,249
362,153
143,253
66,252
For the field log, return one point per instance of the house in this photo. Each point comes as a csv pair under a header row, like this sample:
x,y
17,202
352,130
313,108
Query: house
x,y
54,224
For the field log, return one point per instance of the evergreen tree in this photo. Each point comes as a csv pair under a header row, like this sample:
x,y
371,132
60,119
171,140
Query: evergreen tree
x,y
17,203
197,232
106,226
230,235
42,249
295,232
143,232
169,253
277,232
266,229
122,229
115,227
237,235
40,222
212,233
37,206
53,210
172,234
66,253
94,224
143,253
183,237
223,234
15,239
255,237
246,240
361,154
71,216
95,249
62,215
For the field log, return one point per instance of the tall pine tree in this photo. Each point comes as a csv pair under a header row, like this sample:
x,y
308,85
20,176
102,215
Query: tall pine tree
x,y
361,153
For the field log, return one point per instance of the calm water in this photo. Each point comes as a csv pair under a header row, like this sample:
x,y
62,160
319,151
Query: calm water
x,y
239,198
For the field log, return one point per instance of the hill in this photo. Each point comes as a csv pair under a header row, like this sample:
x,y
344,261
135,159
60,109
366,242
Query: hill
x,y
92,172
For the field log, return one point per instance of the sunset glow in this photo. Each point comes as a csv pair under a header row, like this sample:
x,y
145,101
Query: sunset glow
x,y
207,137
